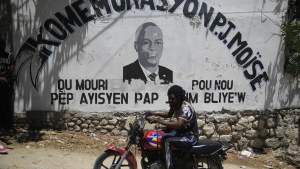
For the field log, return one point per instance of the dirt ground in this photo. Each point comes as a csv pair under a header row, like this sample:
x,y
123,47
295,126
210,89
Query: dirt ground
x,y
66,149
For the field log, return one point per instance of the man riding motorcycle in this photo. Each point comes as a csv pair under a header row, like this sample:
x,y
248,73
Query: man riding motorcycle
x,y
185,128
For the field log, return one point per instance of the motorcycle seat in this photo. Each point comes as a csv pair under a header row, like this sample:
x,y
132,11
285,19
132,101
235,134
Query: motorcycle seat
x,y
206,146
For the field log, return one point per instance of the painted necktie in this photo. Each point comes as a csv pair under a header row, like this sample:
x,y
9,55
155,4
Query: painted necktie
x,y
152,76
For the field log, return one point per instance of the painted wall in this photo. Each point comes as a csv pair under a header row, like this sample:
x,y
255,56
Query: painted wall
x,y
225,54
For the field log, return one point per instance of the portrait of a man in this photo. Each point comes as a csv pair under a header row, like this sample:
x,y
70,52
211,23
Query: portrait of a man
x,y
149,47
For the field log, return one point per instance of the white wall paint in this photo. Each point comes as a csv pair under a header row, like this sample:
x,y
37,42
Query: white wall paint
x,y
100,49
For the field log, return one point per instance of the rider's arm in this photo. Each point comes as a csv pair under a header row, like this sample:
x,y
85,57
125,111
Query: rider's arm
x,y
171,124
160,114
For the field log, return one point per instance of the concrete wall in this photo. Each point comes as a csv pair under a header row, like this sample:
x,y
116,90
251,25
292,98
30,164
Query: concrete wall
x,y
226,54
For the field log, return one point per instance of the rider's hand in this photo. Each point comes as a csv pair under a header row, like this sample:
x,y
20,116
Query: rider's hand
x,y
149,113
153,119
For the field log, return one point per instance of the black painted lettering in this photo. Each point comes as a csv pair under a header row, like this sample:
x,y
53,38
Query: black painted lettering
x,y
138,97
250,62
44,53
194,83
207,97
109,97
64,84
101,99
83,99
213,98
205,84
69,97
247,52
229,85
54,97
241,96
220,20
91,84
50,24
222,97
136,3
207,15
241,44
147,2
154,97
191,98
223,84
186,7
175,6
60,84
256,64
103,84
105,98
258,80
147,98
92,97
79,85
230,97
163,7
202,84
116,98
87,84
71,19
33,44
222,35
101,5
41,40
124,98
83,13
62,98
118,7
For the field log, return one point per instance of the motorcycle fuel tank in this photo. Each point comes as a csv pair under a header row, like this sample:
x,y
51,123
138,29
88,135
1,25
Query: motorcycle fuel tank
x,y
152,139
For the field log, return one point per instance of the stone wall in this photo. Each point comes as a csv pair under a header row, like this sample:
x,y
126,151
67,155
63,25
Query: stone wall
x,y
258,129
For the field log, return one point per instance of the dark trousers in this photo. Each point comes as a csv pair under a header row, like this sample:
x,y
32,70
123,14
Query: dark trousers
x,y
174,139
6,108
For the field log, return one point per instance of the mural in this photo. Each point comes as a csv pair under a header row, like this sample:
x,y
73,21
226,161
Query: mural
x,y
34,51
59,30
132,51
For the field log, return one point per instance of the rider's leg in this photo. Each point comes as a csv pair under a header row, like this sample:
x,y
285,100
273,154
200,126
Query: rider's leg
x,y
181,142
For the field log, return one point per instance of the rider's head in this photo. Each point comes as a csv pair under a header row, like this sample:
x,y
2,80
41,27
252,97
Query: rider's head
x,y
176,96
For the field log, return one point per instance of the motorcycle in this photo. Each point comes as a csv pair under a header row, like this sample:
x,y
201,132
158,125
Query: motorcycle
x,y
206,154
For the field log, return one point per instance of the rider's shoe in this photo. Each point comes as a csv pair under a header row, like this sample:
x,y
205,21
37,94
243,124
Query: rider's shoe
x,y
3,149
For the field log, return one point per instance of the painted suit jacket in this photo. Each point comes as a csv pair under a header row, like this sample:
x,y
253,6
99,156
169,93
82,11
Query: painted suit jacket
x,y
134,71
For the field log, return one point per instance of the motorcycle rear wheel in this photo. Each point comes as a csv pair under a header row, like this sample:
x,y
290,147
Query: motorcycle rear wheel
x,y
206,163
109,160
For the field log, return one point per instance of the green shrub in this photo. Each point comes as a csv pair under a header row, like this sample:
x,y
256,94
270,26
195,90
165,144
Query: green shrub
x,y
291,34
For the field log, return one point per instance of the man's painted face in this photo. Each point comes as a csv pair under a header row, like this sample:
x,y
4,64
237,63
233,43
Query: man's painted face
x,y
150,46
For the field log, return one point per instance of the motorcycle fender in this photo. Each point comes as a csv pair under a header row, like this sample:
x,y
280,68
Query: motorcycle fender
x,y
130,157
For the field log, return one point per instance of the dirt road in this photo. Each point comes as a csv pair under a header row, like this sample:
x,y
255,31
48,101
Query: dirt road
x,y
47,158
41,158
77,150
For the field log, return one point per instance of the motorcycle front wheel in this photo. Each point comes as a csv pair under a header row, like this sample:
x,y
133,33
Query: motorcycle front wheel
x,y
209,163
109,160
